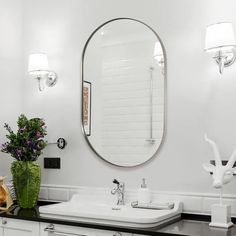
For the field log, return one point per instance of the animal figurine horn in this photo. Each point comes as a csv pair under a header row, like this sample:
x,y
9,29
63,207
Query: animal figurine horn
x,y
222,174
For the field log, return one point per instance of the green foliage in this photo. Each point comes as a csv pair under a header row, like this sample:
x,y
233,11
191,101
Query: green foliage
x,y
26,180
28,142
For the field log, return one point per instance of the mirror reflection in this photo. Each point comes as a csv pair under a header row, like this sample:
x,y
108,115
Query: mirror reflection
x,y
123,90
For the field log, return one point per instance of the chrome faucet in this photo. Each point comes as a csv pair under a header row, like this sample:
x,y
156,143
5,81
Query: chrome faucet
x,y
119,191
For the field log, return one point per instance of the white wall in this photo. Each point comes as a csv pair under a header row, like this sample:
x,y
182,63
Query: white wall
x,y
10,70
197,100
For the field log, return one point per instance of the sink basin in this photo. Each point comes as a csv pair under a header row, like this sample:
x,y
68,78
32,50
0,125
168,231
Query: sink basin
x,y
81,210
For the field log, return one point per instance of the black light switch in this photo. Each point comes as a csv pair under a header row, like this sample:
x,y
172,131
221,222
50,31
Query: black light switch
x,y
52,163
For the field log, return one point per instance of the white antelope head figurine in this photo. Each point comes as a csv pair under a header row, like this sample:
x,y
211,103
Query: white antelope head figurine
x,y
222,174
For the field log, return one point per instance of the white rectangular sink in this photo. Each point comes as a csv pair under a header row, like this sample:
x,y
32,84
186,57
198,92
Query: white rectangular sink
x,y
81,210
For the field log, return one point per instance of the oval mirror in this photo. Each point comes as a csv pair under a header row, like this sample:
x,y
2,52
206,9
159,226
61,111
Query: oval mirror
x,y
123,91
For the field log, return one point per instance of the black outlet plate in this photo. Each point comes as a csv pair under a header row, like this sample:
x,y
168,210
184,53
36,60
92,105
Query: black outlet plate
x,y
52,163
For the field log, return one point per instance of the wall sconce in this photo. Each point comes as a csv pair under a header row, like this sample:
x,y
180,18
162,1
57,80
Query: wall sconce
x,y
158,54
221,42
38,67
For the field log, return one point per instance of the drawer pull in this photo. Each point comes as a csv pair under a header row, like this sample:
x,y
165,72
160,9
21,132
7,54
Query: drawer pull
x,y
4,222
51,229
117,234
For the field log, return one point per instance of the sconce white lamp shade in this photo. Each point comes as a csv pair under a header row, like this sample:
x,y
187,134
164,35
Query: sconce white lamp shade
x,y
158,53
219,36
38,64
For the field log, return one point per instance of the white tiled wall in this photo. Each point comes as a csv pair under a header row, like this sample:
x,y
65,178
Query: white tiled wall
x,y
126,102
58,194
192,202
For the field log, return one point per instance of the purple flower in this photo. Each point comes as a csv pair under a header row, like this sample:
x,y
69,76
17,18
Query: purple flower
x,y
3,145
18,152
39,134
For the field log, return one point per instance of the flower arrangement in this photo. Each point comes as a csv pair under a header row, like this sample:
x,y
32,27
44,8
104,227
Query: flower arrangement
x,y
28,142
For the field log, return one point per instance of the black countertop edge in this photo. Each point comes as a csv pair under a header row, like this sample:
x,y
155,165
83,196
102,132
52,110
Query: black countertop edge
x,y
196,217
124,229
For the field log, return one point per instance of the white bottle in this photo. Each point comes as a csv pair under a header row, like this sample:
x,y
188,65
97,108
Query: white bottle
x,y
144,196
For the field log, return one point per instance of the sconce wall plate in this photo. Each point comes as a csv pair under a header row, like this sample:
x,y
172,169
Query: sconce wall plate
x,y
229,58
51,79
61,143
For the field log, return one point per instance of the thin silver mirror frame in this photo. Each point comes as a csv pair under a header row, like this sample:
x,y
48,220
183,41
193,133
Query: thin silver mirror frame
x,y
165,92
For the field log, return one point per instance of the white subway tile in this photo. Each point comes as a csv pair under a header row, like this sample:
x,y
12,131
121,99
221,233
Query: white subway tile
x,y
207,202
192,204
43,193
58,194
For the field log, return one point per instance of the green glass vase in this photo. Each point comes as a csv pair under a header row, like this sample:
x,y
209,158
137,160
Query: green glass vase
x,y
26,179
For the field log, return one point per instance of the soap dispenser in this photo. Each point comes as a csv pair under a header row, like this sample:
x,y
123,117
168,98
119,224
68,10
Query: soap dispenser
x,y
144,195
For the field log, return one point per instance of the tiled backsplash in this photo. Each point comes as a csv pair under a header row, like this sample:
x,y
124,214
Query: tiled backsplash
x,y
192,202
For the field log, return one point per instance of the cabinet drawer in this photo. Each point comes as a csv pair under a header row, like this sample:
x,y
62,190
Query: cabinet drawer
x,y
13,227
65,230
